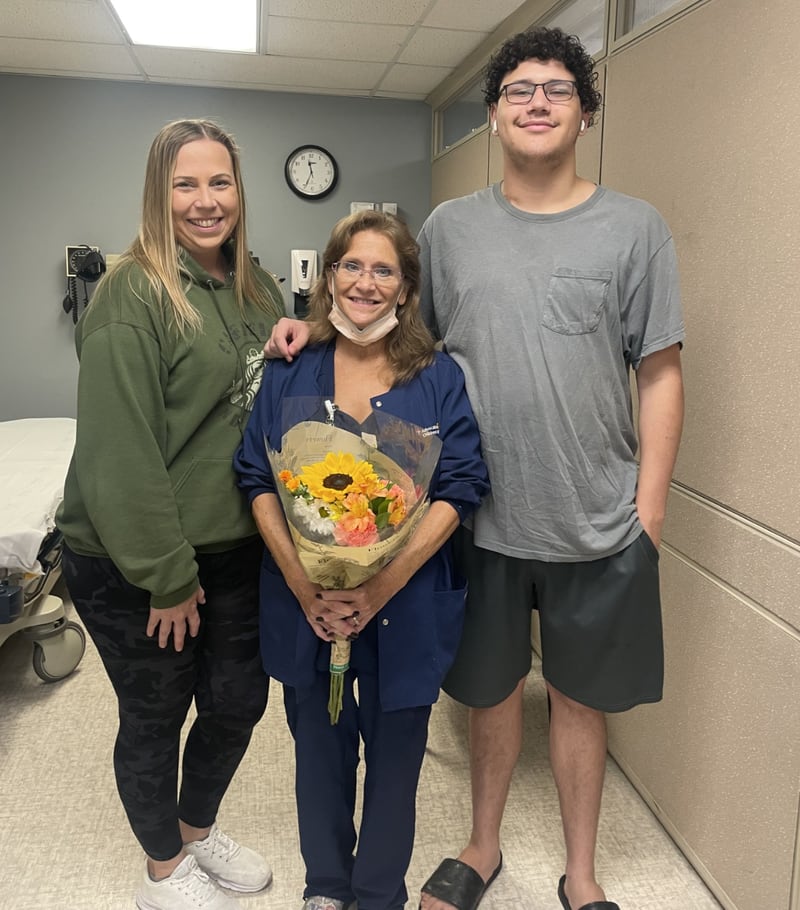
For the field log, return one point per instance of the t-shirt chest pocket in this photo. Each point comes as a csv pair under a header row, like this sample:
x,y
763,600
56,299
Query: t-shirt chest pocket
x,y
576,299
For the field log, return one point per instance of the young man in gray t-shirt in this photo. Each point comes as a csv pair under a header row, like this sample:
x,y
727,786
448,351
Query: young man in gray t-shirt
x,y
548,290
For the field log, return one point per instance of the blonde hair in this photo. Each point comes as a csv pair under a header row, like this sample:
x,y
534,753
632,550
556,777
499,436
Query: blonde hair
x,y
155,249
410,347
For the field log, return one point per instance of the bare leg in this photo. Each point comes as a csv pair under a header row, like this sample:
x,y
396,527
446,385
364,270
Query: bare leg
x,y
189,833
159,869
578,760
495,739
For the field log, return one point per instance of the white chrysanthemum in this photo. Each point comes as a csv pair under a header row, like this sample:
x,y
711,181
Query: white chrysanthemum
x,y
309,519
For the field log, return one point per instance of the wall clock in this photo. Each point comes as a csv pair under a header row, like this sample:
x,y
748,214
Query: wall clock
x,y
311,171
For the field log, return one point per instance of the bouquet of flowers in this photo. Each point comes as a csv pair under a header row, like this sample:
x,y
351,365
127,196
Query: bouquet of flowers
x,y
351,501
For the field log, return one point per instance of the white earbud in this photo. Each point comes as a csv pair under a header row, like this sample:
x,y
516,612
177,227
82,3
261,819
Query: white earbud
x,y
583,125
494,127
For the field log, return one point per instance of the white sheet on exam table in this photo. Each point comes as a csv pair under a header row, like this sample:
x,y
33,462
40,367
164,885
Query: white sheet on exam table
x,y
34,456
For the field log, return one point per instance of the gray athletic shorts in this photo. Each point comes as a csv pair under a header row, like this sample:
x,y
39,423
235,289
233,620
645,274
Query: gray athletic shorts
x,y
601,632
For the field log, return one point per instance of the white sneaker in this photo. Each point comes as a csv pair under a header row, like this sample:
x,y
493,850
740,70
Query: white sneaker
x,y
188,888
231,865
323,903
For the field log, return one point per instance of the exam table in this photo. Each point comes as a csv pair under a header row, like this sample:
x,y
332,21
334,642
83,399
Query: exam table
x,y
34,456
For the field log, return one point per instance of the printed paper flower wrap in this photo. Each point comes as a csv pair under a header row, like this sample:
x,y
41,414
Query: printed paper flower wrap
x,y
351,501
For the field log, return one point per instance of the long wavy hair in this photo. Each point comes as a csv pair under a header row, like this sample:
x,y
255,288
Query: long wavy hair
x,y
410,347
155,249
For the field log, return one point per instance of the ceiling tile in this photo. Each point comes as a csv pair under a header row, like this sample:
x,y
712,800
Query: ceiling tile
x,y
58,19
405,12
250,68
445,46
398,96
177,62
333,40
420,80
57,57
476,15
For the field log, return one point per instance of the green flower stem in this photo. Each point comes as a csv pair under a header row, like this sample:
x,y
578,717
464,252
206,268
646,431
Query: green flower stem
x,y
340,663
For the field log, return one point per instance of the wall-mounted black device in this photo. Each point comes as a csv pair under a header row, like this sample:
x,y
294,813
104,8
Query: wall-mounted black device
x,y
83,263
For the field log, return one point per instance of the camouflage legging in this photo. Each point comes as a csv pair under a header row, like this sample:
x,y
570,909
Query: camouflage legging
x,y
220,669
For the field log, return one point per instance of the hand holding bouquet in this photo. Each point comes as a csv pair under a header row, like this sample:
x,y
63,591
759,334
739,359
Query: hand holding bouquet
x,y
350,506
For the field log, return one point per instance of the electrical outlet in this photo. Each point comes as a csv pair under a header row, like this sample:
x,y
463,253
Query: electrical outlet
x,y
74,256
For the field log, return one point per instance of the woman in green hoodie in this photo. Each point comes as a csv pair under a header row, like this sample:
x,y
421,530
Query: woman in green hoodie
x,y
161,555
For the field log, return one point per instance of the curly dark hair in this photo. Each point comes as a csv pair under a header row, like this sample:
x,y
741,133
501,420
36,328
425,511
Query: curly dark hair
x,y
540,43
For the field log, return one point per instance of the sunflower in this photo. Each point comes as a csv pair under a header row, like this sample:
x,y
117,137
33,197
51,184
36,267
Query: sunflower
x,y
337,475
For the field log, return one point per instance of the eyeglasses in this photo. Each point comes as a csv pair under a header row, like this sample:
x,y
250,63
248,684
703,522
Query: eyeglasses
x,y
557,90
381,274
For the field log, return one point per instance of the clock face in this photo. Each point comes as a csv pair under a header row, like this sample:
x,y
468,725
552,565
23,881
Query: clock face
x,y
311,171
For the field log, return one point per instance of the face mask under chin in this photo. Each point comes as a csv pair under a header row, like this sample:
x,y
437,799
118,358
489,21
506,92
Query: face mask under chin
x,y
369,334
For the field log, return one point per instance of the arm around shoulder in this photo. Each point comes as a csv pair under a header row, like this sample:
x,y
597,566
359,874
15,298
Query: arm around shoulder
x,y
288,338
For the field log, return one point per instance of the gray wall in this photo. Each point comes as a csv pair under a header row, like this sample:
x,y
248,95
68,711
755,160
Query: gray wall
x,y
72,162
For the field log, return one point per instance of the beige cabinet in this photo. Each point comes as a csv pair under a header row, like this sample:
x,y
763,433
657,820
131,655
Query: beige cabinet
x,y
462,169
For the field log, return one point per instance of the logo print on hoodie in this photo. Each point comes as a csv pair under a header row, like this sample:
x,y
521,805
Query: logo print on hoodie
x,y
253,371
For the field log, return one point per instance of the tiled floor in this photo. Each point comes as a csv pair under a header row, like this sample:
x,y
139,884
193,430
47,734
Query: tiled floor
x,y
65,843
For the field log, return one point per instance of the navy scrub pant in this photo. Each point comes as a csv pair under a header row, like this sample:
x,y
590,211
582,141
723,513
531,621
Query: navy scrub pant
x,y
326,762
220,670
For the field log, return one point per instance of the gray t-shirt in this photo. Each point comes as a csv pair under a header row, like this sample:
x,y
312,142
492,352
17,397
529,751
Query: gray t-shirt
x,y
546,314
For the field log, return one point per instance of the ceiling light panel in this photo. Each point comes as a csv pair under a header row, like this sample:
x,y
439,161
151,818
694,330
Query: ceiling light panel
x,y
208,24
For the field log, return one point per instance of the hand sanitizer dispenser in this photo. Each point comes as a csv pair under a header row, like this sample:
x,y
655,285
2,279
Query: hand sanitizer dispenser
x,y
304,274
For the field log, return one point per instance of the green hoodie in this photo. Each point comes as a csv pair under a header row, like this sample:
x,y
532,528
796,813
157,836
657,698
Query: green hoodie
x,y
159,418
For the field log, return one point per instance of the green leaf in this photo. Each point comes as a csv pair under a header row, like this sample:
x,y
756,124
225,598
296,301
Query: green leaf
x,y
381,520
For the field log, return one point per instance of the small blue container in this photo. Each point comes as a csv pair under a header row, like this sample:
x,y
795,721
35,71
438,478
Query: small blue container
x,y
11,601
